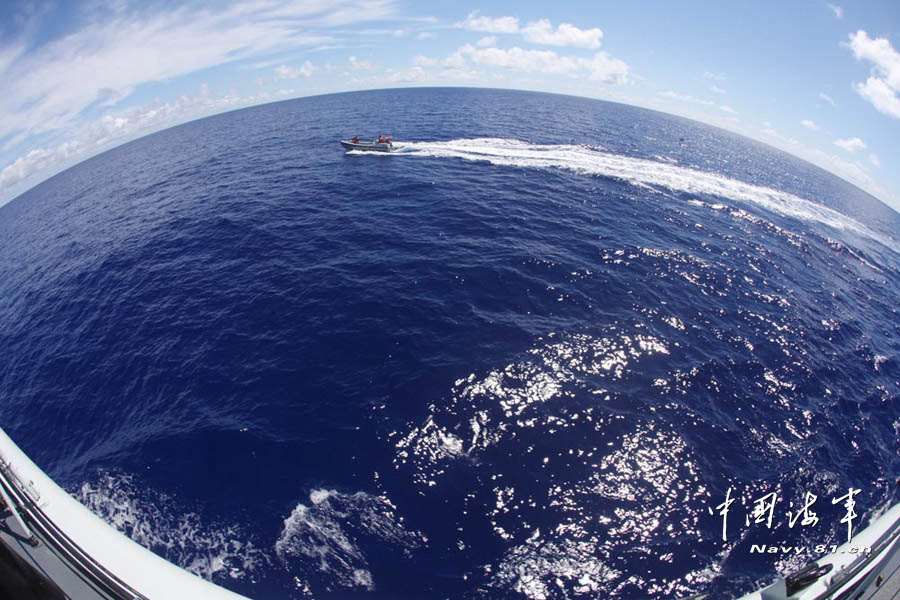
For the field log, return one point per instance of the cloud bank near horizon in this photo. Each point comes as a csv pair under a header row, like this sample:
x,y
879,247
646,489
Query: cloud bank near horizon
x,y
106,76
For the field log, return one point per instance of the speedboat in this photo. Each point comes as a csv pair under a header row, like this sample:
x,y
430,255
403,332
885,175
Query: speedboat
x,y
53,548
373,146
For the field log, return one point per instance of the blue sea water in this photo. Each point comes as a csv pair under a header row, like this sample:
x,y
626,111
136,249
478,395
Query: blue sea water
x,y
525,358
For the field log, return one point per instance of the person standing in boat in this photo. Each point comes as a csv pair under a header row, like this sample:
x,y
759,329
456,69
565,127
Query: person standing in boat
x,y
380,139
355,139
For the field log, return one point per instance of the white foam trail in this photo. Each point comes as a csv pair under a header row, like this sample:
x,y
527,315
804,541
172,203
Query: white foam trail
x,y
591,161
324,537
156,521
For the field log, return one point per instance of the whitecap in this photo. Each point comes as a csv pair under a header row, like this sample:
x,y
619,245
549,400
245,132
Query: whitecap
x,y
641,172
323,541
158,522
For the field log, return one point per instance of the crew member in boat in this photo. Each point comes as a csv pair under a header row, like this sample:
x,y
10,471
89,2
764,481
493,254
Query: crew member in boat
x,y
380,139
355,139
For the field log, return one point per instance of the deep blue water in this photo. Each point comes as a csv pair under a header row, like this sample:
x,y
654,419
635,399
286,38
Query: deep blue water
x,y
521,360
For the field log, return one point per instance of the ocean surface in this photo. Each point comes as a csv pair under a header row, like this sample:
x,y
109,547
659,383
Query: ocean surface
x,y
525,358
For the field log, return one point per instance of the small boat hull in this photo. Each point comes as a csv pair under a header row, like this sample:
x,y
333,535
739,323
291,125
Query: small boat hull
x,y
368,146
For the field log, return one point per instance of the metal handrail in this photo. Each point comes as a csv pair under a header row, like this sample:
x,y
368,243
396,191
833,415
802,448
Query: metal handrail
x,y
64,547
13,507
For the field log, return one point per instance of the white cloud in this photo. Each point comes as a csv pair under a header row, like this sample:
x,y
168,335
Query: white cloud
x,y
542,32
882,87
14,141
113,129
879,50
881,95
517,59
37,160
851,144
490,40
714,76
425,35
9,54
826,98
536,32
489,24
456,60
809,124
465,74
602,67
605,68
422,71
286,72
728,109
357,63
716,89
684,98
837,10
110,97
410,75
424,61
381,32
432,20
851,170
49,87
873,158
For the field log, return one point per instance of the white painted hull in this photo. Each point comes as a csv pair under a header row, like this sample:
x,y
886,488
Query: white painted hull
x,y
83,555
866,567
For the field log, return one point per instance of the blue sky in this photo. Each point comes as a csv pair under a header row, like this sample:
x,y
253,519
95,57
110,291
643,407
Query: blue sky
x,y
819,80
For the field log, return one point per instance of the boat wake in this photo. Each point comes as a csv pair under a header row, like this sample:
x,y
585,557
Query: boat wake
x,y
321,542
215,551
595,161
